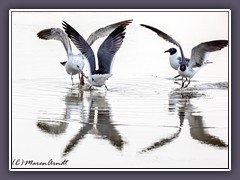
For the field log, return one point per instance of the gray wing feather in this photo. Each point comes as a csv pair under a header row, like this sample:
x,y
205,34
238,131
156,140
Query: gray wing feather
x,y
161,34
165,37
201,51
105,31
56,34
109,48
81,44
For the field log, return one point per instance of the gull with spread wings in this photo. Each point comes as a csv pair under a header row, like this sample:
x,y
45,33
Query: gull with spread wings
x,y
187,68
106,53
75,62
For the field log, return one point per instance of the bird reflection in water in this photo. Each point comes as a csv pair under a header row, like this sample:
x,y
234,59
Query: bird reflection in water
x,y
73,101
94,113
182,104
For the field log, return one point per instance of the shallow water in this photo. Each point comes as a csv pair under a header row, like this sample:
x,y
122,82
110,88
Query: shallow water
x,y
143,120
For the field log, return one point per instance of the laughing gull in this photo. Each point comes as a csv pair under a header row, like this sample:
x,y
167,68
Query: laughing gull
x,y
187,68
106,53
174,59
75,63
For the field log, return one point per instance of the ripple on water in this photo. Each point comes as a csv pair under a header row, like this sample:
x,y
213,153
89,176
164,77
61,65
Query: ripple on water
x,y
199,90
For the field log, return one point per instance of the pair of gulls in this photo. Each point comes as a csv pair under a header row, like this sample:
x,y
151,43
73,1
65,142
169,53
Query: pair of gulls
x,y
106,52
186,68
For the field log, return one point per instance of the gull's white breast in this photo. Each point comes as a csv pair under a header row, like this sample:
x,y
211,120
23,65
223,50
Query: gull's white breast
x,y
189,72
174,61
100,79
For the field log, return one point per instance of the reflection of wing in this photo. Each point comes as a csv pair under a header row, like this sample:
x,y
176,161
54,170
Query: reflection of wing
x,y
74,141
196,123
82,132
73,100
199,133
162,142
197,130
52,127
98,123
111,133
100,112
105,31
56,34
107,130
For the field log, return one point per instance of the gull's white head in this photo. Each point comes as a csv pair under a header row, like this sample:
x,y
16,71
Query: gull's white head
x,y
76,62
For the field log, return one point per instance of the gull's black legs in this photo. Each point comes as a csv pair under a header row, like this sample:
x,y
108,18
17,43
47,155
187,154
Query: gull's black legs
x,y
183,82
106,86
188,83
72,79
177,76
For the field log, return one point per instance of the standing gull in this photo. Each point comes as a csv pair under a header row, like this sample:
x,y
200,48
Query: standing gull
x,y
187,68
75,63
106,53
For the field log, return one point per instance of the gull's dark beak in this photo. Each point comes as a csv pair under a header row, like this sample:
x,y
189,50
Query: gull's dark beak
x,y
166,51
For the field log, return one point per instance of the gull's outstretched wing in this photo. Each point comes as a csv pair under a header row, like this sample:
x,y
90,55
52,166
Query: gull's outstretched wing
x,y
56,34
81,44
165,37
201,51
105,31
109,48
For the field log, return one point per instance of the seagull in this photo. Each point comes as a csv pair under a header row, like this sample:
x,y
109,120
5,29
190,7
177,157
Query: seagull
x,y
106,53
187,68
75,63
174,59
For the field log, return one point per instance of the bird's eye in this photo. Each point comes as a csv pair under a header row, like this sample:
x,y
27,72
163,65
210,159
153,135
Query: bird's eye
x,y
77,66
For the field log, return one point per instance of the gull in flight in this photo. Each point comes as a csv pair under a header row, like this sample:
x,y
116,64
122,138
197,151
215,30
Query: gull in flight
x,y
75,62
187,68
106,53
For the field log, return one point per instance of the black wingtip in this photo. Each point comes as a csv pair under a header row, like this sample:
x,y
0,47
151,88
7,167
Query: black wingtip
x,y
63,63
69,29
65,25
64,22
43,34
129,21
126,22
153,29
219,43
119,30
150,27
144,25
